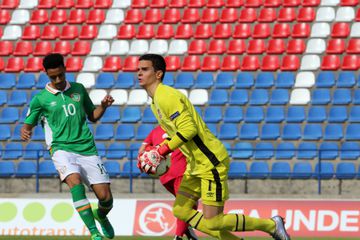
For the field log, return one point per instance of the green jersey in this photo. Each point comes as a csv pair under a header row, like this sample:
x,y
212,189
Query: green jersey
x,y
64,114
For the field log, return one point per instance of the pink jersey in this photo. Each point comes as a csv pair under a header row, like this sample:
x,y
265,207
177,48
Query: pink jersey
x,y
178,160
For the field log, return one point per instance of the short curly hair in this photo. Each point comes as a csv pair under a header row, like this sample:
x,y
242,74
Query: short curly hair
x,y
53,60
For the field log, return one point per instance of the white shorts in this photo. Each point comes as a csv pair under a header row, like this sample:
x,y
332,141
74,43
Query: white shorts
x,y
91,168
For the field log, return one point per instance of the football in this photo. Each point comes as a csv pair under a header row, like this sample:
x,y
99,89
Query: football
x,y
148,157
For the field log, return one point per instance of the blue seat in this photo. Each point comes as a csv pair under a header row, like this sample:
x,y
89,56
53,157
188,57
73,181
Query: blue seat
x,y
346,80
341,97
254,115
285,80
47,169
258,170
354,116
239,97
143,131
242,150
7,80
218,97
7,168
168,79
9,115
130,168
213,128
337,114
244,80
325,79
316,114
198,110
111,115
213,114
133,150
228,147
148,116
125,132
42,81
249,131
228,131
3,97
38,134
224,80
26,169
333,132
259,97
33,93
101,149
280,170
204,80
116,151
33,150
302,170
5,132
295,114
324,170
105,80
113,168
131,115
312,132
237,170
70,77
16,134
264,80
291,132
17,98
306,150
279,97
264,150
329,150
270,131
320,97
352,131
285,150
356,98
184,80
233,114
104,132
125,80
274,115
350,151
26,81
345,170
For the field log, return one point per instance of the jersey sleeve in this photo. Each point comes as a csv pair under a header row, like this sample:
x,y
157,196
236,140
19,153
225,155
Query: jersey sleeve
x,y
34,112
88,104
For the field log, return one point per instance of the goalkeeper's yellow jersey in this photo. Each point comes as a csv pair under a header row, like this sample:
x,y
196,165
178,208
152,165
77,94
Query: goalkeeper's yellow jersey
x,y
178,117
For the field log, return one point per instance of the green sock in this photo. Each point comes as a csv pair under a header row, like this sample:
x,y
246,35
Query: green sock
x,y
82,205
104,208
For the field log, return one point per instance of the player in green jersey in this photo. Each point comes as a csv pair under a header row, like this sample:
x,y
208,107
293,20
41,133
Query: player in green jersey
x,y
64,107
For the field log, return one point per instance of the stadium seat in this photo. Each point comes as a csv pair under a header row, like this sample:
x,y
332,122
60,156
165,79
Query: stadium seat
x,y
264,80
5,132
112,115
7,169
103,4
346,80
33,150
326,171
218,97
302,170
354,114
39,16
137,97
228,15
215,3
130,64
261,30
12,151
267,15
65,4
341,97
274,115
285,150
250,63
290,63
38,134
312,132
237,170
191,63
320,97
248,15
105,80
171,16
310,3
25,169
125,132
17,98
209,15
270,63
280,170
353,46
306,150
131,115
291,132
184,31
275,46
7,80
198,96
249,131
259,97
350,63
210,63
301,30
143,131
286,14
203,31
184,80
104,132
224,80
172,63
345,170
64,48
196,3
316,114
42,48
340,30
233,114
45,4
228,131
133,16
101,148
242,150
223,31
58,16
9,115
125,80
281,30
244,80
47,169
258,170
6,48
295,46
3,97
337,114
270,131
34,64
165,31
178,47
335,46
349,151
168,79
116,151
100,48
217,47
15,64
50,32
236,46
239,97
242,30
328,151
256,46
177,3
112,64
148,116
4,16
212,114
285,80
16,133
130,169
325,79
330,62
113,168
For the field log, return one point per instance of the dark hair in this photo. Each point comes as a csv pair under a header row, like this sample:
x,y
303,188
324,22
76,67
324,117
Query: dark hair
x,y
158,62
53,60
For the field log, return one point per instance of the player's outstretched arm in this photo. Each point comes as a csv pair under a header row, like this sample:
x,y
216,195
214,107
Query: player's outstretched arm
x,y
100,110
26,132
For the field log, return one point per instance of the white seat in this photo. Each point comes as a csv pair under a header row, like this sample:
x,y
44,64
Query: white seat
x,y
92,64
325,14
183,91
121,3
300,96
100,48
329,2
315,45
138,97
119,47
86,79
178,47
320,30
158,47
21,16
199,96
120,96
28,4
97,95
11,33
107,32
345,14
305,80
310,62
114,16
139,47
355,30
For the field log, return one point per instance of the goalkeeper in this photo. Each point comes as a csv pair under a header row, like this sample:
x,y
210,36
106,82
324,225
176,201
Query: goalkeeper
x,y
207,160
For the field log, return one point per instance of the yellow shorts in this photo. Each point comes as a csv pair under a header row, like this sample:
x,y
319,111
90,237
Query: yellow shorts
x,y
211,187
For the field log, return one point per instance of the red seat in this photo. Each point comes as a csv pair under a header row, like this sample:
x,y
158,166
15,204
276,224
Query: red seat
x,y
74,64
351,63
250,63
152,16
50,32
58,16
230,63
172,15
223,31
215,3
77,16
39,16
340,30
267,15
190,15
15,64
236,46
352,3
301,30
276,46
256,46
184,31
112,64
217,47
86,4
62,47
191,63
34,64
311,3
1,32
203,31
290,63
145,32
69,32
4,16
9,4
103,3
261,30
291,3
133,16
242,30
281,30
46,4
330,62
253,3
165,31
2,64
306,14
178,3
295,46
65,4
172,63
272,3
196,3
95,16
158,3
335,46
42,48
88,32
357,17
130,64
270,63
139,3
229,15
23,49
286,15
248,15
197,46
209,15
234,3
126,32
31,32
210,63
81,48
6,48
353,46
